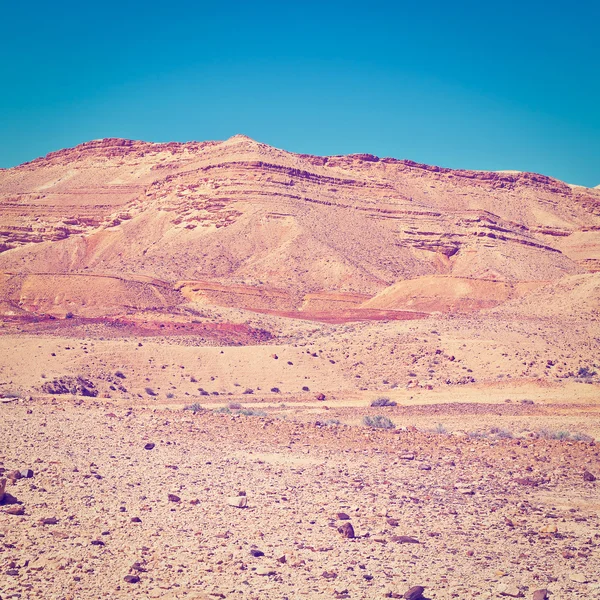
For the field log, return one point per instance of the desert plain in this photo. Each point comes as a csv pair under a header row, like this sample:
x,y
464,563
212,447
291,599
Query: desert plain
x,y
231,371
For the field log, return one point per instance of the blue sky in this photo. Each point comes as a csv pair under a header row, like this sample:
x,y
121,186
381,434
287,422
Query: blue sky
x,y
478,85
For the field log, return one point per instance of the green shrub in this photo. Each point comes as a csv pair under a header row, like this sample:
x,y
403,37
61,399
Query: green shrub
x,y
378,422
194,408
383,401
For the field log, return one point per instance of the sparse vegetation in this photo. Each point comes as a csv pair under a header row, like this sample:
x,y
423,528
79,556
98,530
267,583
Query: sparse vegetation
x,y
194,408
235,406
379,422
439,428
585,372
502,433
383,401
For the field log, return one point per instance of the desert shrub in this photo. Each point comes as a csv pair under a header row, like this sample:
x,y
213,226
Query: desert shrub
x,y
275,390
222,410
439,428
248,391
120,374
9,394
582,437
585,372
501,433
150,391
333,422
170,395
194,408
235,406
553,434
69,315
383,401
477,435
251,412
378,422
305,388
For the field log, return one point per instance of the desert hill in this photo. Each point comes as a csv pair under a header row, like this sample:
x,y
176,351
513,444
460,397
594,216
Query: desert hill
x,y
117,225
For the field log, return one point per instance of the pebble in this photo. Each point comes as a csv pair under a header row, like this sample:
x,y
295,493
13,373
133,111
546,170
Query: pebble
x,y
407,456
149,446
265,571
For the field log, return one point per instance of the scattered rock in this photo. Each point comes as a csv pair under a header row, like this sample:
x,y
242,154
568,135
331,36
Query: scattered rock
x,y
265,571
414,593
27,473
343,516
238,501
393,522
404,539
149,446
49,521
578,578
510,590
2,488
321,397
13,476
256,552
174,498
346,530
540,595
15,510
407,456
131,579
587,476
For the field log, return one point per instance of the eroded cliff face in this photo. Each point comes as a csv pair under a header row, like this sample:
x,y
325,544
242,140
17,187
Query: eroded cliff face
x,y
244,215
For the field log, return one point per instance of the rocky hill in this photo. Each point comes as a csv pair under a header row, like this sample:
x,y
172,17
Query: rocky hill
x,y
114,225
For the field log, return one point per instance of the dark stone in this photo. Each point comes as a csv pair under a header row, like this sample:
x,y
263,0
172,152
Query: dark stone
x,y
347,530
415,593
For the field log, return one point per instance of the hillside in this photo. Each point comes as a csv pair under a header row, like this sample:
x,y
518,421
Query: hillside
x,y
117,225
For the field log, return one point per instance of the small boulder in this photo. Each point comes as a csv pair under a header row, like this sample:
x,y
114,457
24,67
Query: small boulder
x,y
405,539
414,593
174,498
587,476
540,595
149,446
238,501
15,510
346,530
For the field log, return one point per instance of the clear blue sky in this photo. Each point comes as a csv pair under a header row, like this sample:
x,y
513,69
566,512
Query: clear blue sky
x,y
481,85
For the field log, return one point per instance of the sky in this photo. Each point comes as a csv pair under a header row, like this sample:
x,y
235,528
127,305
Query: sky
x,y
474,85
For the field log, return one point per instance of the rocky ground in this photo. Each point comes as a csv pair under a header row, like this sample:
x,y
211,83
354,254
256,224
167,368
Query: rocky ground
x,y
141,502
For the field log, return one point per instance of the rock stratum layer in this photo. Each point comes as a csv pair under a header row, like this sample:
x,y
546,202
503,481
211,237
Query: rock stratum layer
x,y
116,225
